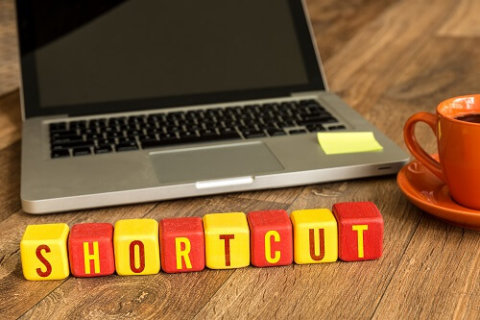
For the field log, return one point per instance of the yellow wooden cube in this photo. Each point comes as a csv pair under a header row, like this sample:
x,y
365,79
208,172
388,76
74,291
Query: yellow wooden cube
x,y
315,236
227,240
136,247
43,251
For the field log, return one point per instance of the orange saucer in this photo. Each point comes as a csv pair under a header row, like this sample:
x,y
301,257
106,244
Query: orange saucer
x,y
430,194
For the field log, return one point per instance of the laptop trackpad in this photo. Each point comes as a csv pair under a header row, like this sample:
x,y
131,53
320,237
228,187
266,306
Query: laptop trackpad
x,y
215,162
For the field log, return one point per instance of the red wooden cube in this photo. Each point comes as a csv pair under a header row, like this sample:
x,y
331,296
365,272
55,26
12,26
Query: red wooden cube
x,y
271,238
360,231
90,250
182,244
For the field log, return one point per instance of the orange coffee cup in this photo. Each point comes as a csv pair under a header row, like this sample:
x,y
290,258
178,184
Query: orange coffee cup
x,y
458,144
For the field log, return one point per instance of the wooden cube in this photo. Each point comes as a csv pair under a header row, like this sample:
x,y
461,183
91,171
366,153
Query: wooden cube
x,y
360,230
43,252
90,250
227,240
182,244
314,236
271,242
136,247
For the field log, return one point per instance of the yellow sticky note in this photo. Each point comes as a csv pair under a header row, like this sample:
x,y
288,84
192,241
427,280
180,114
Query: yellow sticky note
x,y
136,246
43,251
227,240
348,142
315,237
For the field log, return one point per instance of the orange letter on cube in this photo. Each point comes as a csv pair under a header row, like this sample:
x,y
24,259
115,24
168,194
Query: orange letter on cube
x,y
182,244
271,238
314,236
43,251
90,250
360,227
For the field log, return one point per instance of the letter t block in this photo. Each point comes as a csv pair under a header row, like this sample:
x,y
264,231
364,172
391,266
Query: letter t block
x,y
227,240
90,250
360,230
182,244
271,238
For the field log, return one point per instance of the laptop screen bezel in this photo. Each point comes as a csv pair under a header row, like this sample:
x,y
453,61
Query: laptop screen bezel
x,y
31,99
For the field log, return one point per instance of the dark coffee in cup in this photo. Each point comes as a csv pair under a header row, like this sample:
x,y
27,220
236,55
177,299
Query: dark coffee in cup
x,y
471,117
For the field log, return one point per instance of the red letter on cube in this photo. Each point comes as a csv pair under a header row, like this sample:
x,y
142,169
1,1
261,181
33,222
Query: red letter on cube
x,y
360,231
90,250
182,244
271,238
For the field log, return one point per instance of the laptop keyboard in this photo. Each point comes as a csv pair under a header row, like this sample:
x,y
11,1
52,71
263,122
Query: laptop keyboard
x,y
119,134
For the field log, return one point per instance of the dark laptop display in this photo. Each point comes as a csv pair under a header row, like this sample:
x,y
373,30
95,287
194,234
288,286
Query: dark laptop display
x,y
107,56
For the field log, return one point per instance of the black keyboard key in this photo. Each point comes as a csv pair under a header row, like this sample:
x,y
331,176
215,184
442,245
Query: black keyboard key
x,y
57,126
133,133
53,148
229,136
315,127
172,129
60,153
308,102
187,137
81,151
64,138
126,146
151,131
66,133
117,120
320,119
74,144
313,109
207,132
168,140
341,127
285,124
227,131
330,120
152,143
112,134
136,119
297,131
124,140
93,136
78,124
105,141
167,135
253,134
67,142
98,123
274,132
211,137
103,148
316,114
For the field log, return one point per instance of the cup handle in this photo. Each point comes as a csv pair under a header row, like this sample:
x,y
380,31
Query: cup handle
x,y
415,149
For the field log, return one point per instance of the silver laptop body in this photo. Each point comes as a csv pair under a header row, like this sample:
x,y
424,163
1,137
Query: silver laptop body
x,y
186,169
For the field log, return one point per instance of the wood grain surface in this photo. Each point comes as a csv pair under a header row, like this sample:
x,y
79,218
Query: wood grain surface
x,y
388,59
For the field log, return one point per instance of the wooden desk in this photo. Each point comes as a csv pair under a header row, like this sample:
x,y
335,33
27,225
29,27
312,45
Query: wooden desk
x,y
388,59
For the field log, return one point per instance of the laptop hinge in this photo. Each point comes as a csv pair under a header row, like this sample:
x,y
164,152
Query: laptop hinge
x,y
305,94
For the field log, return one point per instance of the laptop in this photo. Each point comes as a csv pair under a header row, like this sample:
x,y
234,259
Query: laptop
x,y
146,100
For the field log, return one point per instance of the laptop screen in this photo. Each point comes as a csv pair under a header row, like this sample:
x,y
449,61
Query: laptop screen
x,y
86,57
